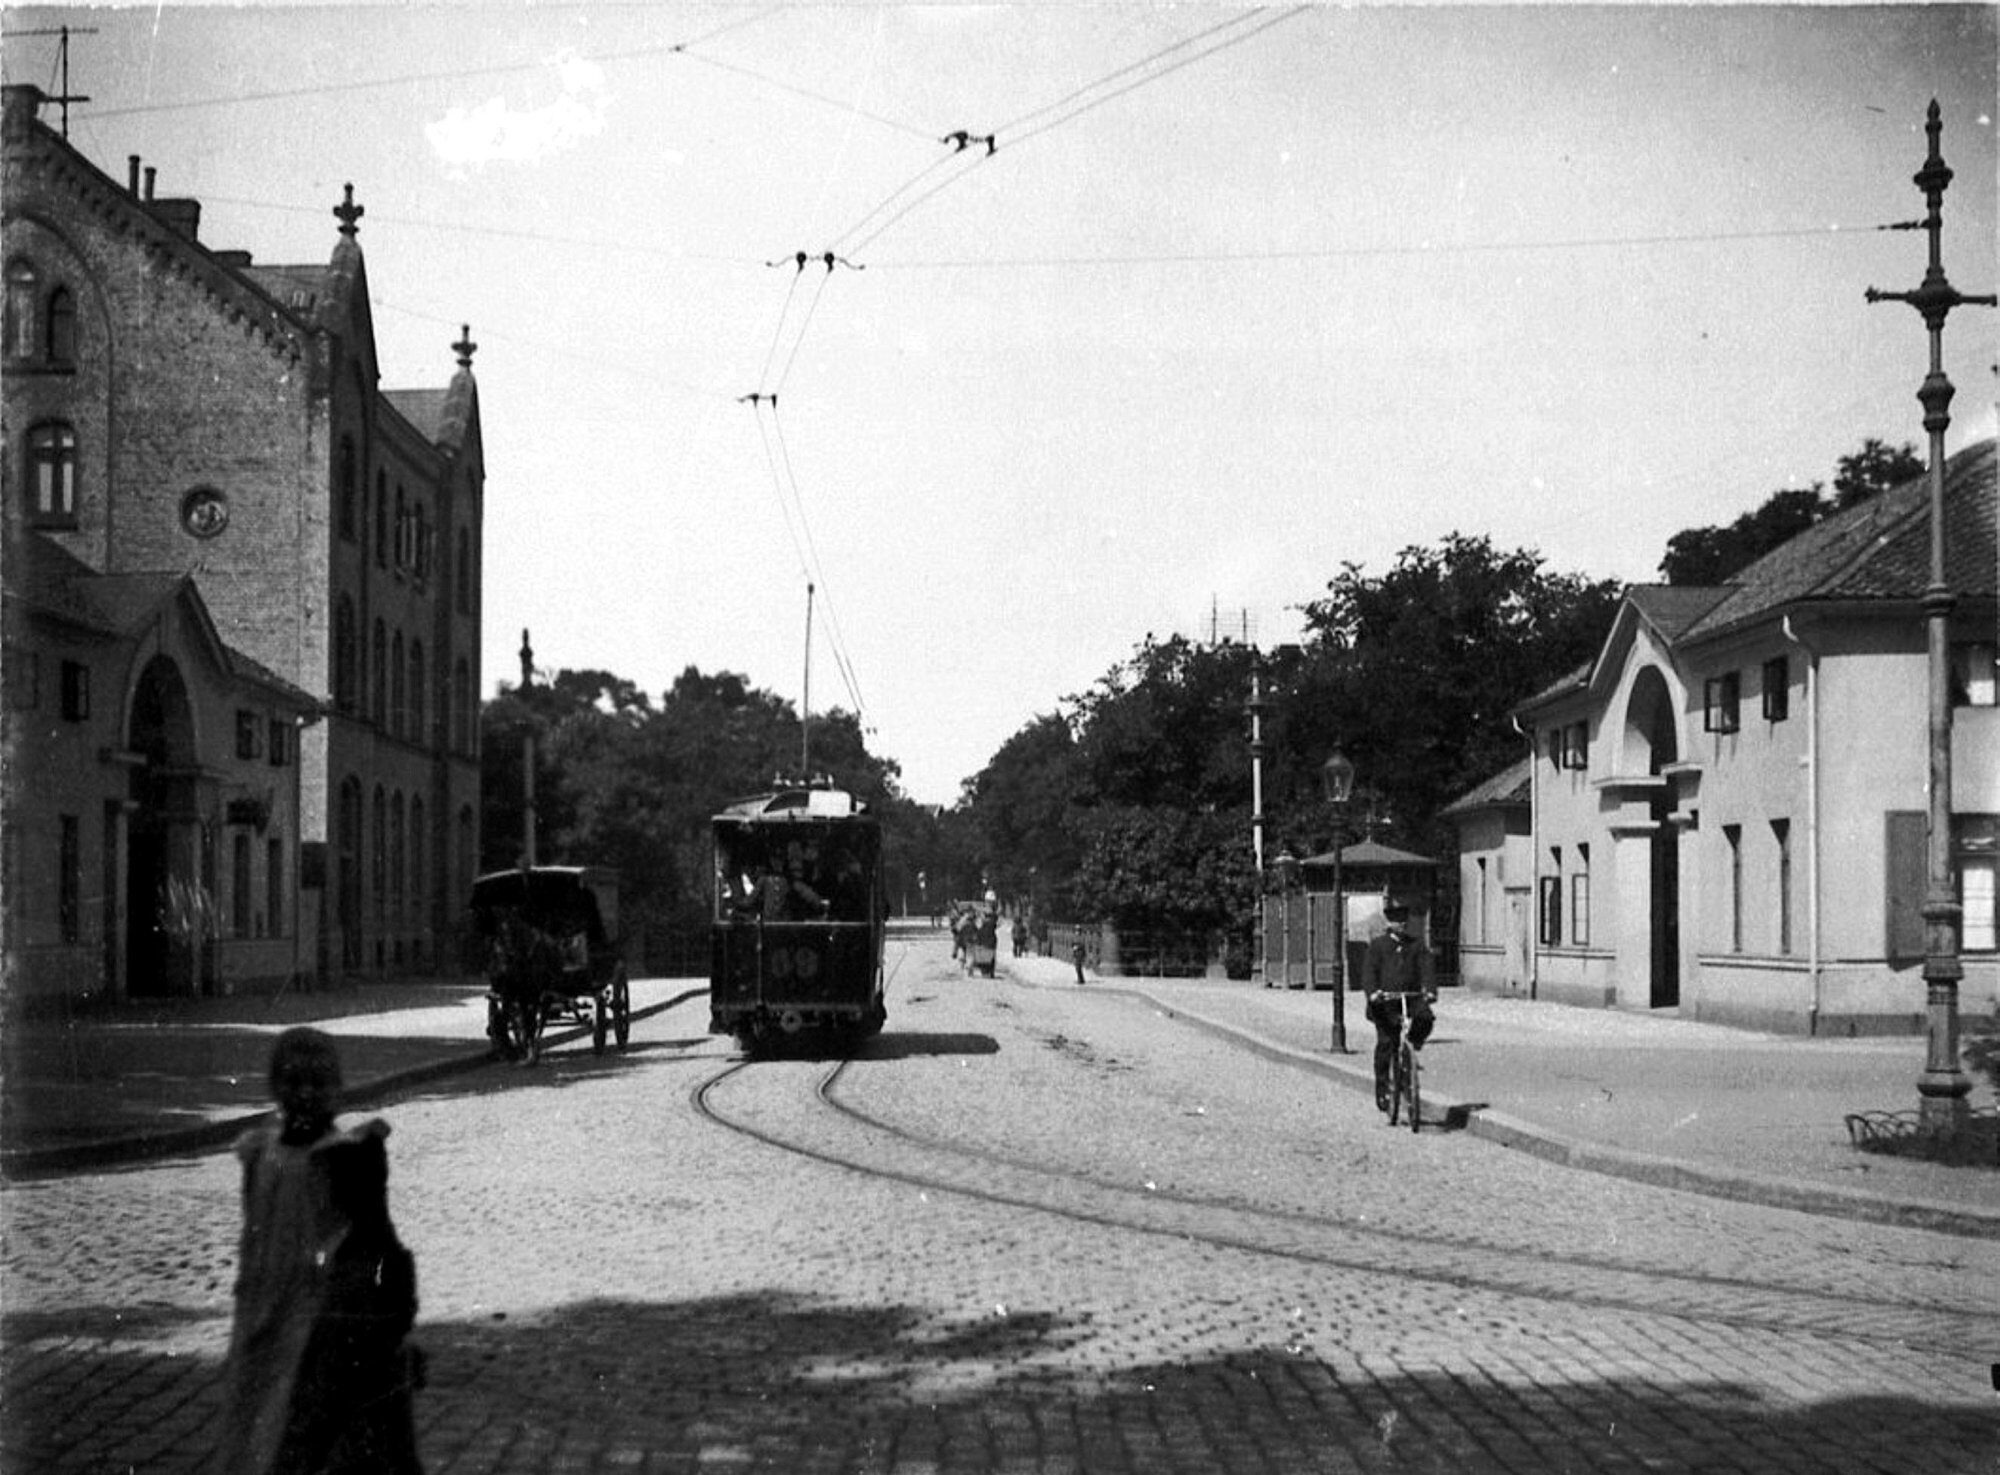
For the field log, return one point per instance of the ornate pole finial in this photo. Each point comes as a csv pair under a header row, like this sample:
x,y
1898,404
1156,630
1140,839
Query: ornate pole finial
x,y
465,347
347,212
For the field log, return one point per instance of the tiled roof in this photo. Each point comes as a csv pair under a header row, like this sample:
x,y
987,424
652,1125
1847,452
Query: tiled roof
x,y
256,671
1879,550
442,415
48,580
1673,609
1506,788
1564,685
423,408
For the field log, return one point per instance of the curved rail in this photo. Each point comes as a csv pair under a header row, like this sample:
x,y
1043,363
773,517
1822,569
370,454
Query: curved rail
x,y
1426,1255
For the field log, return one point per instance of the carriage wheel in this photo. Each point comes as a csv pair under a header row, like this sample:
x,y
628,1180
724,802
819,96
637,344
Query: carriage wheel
x,y
600,1022
621,1007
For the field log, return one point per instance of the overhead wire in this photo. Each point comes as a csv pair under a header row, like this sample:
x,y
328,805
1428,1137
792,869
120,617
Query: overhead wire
x,y
839,638
1136,83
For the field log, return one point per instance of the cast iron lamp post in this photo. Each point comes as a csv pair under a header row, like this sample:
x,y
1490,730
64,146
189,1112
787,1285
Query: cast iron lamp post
x,y
1337,776
1943,1086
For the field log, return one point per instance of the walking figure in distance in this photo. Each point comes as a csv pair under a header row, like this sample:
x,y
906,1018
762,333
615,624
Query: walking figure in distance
x,y
1397,962
319,1379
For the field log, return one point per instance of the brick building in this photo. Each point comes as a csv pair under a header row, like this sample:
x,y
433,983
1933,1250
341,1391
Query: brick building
x,y
211,431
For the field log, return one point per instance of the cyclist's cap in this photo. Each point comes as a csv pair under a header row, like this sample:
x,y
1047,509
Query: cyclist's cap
x,y
1396,911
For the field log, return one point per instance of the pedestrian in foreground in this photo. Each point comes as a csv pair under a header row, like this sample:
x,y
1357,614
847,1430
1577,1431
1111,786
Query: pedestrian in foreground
x,y
1397,962
319,1377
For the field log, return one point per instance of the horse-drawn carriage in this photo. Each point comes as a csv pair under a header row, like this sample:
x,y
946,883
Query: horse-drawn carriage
x,y
549,936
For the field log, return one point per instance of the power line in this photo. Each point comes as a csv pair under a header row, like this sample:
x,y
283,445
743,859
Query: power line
x,y
819,97
1011,124
1139,82
1418,248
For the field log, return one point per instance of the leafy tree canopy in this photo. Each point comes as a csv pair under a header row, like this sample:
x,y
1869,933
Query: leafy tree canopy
x,y
1713,555
622,781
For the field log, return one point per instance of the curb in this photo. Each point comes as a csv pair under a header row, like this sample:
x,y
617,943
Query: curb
x,y
32,1162
1595,1157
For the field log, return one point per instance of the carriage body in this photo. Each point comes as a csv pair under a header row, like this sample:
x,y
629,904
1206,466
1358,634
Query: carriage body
x,y
549,936
795,942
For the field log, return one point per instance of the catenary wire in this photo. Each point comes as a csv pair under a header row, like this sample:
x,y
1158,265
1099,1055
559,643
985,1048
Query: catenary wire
x,y
837,638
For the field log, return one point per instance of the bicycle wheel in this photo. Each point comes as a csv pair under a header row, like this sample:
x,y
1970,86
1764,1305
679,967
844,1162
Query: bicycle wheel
x,y
1399,1065
1413,1074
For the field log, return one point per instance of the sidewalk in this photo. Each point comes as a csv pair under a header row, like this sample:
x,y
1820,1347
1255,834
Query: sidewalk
x,y
1728,1112
140,1080
1732,1113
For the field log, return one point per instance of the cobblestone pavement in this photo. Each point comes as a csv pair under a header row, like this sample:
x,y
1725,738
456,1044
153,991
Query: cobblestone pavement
x,y
1024,1230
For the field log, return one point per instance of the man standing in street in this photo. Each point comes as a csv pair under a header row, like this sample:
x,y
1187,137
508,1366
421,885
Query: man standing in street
x,y
1397,963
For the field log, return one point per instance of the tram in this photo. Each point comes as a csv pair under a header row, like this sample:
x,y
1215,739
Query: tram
x,y
795,944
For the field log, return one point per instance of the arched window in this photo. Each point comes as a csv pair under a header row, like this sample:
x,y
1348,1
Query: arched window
x,y
468,858
419,881
344,654
379,850
398,854
398,691
381,519
402,530
464,571
61,342
347,899
419,699
22,285
378,705
345,491
51,473
461,706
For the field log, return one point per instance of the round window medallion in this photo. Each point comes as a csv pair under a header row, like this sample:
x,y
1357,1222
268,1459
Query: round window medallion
x,y
205,512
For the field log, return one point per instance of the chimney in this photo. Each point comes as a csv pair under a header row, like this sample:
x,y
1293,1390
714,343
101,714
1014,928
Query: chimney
x,y
183,216
150,172
22,105
132,175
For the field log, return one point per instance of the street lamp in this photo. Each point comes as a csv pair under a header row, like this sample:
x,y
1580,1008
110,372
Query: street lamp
x,y
1944,1085
1287,867
1336,775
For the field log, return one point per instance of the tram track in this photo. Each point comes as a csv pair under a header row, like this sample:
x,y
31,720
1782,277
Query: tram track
x,y
1595,1282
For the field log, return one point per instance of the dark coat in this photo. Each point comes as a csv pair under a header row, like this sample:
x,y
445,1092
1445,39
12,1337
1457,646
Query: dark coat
x,y
1398,963
318,1379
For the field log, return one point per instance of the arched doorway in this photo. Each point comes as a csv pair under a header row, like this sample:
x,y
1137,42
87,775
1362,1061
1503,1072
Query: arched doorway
x,y
1652,745
169,874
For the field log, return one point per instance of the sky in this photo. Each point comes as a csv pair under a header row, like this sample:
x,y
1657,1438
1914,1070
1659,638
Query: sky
x,y
1235,298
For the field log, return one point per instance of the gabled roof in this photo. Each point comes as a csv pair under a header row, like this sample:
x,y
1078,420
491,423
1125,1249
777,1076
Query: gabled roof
x,y
51,581
1507,789
1877,551
1672,609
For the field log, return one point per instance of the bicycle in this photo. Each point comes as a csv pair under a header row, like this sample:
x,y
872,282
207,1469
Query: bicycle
x,y
1405,1070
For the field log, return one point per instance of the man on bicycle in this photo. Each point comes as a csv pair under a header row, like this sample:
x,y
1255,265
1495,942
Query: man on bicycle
x,y
1400,964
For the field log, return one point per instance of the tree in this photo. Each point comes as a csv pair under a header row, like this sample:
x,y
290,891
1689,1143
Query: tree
x,y
1713,555
1872,470
1413,674
623,782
